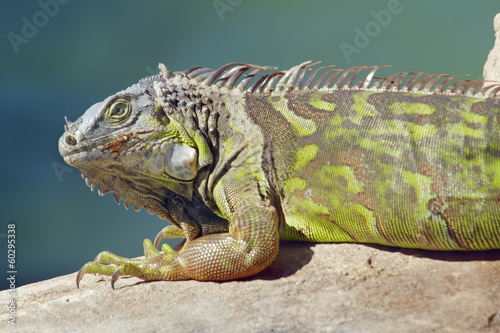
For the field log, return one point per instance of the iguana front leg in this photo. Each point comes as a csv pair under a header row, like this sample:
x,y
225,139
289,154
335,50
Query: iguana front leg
x,y
251,245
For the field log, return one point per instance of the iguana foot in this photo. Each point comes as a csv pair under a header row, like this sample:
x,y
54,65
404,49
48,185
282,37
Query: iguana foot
x,y
249,246
155,266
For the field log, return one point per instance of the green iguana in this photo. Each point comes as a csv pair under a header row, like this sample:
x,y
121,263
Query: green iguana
x,y
237,162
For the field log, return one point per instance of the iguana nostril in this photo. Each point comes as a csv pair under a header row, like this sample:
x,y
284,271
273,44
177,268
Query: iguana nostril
x,y
70,140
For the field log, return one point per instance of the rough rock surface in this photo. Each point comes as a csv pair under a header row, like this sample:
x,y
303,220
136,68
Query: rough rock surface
x,y
309,288
492,67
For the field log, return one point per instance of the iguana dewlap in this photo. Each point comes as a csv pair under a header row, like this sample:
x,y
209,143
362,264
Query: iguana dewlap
x,y
237,162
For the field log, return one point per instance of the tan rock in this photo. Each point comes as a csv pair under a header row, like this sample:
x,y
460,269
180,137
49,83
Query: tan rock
x,y
309,288
491,70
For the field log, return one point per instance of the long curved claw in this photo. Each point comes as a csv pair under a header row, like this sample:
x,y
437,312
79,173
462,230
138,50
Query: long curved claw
x,y
79,276
170,231
116,275
159,237
94,268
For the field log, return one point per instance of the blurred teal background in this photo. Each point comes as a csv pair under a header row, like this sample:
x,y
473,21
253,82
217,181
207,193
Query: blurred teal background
x,y
57,61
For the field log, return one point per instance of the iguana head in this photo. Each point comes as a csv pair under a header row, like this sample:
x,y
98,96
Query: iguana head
x,y
141,144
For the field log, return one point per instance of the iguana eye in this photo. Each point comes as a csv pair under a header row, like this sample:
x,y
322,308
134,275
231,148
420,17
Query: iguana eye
x,y
118,111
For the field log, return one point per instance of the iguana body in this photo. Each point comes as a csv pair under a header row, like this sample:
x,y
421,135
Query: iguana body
x,y
237,163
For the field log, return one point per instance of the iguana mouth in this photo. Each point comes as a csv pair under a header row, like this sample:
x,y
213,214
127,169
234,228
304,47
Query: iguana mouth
x,y
76,143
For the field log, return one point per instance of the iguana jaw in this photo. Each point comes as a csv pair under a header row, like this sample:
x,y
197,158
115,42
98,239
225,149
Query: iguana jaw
x,y
113,174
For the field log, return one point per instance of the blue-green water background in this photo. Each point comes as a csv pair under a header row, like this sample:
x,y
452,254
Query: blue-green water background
x,y
88,50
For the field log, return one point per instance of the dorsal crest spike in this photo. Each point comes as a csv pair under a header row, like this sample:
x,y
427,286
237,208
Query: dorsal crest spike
x,y
164,71
399,80
368,79
264,81
244,77
222,70
468,85
298,84
429,86
389,81
196,71
411,81
440,86
418,85
342,77
492,91
311,77
350,80
233,77
244,83
318,82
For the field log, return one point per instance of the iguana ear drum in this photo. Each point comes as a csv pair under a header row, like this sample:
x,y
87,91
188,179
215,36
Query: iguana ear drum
x,y
180,161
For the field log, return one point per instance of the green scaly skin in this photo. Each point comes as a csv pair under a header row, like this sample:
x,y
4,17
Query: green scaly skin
x,y
237,163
